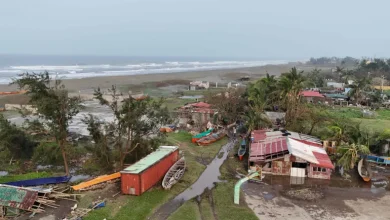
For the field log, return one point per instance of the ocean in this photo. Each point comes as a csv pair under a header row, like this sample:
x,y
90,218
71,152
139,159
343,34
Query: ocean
x,y
76,67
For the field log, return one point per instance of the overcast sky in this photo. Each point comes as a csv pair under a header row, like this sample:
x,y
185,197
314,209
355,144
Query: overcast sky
x,y
210,28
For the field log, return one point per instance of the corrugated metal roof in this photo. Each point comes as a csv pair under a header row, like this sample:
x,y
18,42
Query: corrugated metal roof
x,y
150,160
311,94
260,150
20,198
309,153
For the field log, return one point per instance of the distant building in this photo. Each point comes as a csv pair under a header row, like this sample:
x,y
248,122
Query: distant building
x,y
195,85
335,85
312,96
199,113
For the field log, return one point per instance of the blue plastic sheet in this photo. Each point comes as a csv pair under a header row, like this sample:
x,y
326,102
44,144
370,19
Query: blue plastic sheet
x,y
40,181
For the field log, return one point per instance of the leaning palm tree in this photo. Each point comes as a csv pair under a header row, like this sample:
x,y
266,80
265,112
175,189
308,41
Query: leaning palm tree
x,y
350,155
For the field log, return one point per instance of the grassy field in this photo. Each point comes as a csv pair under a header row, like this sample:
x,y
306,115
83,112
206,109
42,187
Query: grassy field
x,y
139,207
134,207
173,103
25,176
377,124
188,211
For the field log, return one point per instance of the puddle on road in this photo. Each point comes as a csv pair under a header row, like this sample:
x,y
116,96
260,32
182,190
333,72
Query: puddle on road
x,y
206,180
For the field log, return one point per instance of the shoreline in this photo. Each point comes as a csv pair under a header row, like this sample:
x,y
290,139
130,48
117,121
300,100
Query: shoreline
x,y
220,75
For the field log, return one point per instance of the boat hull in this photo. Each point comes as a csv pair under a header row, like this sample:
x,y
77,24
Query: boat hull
x,y
211,138
174,174
364,171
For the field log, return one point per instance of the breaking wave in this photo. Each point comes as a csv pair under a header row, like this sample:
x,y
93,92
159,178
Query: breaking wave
x,y
86,71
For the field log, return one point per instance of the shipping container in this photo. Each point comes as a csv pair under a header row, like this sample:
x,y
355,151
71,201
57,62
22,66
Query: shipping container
x,y
147,172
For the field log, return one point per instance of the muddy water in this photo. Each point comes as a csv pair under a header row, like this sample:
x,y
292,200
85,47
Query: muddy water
x,y
206,181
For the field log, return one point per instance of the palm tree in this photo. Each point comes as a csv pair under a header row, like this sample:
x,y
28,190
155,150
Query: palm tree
x,y
340,71
290,85
358,89
261,95
256,120
350,155
346,75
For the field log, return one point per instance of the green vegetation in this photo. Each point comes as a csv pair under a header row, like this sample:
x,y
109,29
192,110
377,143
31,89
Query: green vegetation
x,y
130,129
350,154
225,207
188,211
15,141
375,125
383,114
134,207
53,105
173,103
346,112
25,176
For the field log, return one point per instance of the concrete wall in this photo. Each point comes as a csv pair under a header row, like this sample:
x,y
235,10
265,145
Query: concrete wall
x,y
323,174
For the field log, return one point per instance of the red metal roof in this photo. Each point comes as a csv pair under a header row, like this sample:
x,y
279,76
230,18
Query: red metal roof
x,y
259,135
259,150
323,160
310,153
309,93
201,105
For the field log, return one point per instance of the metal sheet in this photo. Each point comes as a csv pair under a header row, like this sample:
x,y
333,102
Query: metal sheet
x,y
150,160
17,197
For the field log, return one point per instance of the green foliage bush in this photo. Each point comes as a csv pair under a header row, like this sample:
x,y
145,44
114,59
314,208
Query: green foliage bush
x,y
47,153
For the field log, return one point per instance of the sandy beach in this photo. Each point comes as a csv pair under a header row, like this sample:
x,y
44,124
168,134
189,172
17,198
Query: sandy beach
x,y
224,75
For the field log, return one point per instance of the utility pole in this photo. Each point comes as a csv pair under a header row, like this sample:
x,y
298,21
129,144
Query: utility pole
x,y
383,79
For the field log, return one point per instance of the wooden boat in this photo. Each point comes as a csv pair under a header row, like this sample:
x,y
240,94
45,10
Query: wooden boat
x,y
174,174
211,138
364,170
201,135
242,149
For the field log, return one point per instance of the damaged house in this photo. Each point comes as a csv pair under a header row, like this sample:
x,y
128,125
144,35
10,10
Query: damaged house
x,y
290,154
195,114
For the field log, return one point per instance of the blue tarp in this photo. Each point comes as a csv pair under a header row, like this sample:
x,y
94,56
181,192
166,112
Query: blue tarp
x,y
243,142
40,181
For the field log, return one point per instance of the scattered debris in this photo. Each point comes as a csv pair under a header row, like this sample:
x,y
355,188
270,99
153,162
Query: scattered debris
x,y
307,194
14,200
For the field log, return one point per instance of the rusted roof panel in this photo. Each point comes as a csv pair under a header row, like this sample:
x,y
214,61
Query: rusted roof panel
x,y
16,197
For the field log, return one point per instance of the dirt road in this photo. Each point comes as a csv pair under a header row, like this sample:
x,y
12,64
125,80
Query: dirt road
x,y
329,203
